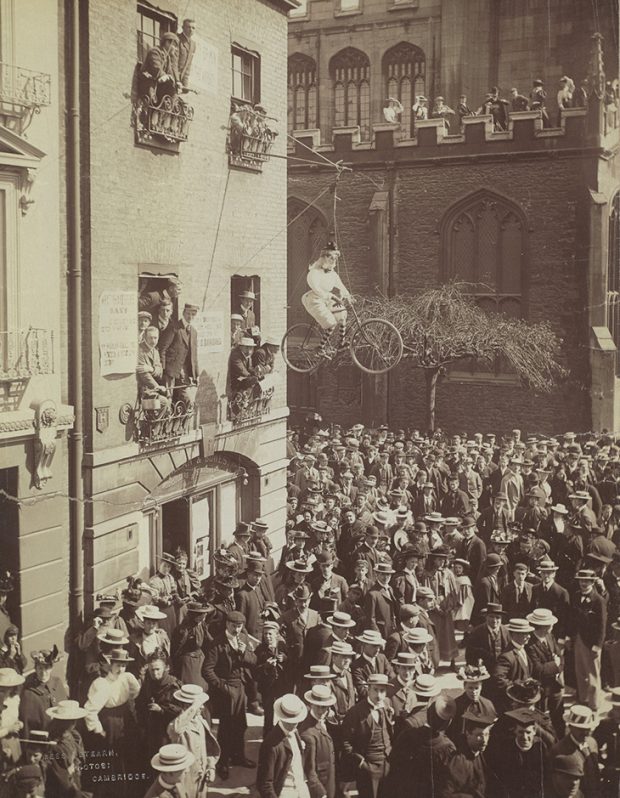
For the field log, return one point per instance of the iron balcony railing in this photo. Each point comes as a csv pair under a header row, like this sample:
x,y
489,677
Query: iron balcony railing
x,y
26,353
24,87
246,408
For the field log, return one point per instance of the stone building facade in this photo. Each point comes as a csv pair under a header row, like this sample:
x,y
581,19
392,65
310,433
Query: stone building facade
x,y
35,417
531,212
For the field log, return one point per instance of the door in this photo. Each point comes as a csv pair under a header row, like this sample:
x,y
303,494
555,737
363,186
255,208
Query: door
x,y
175,520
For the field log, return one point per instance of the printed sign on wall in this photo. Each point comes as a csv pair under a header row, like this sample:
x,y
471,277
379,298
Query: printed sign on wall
x,y
118,332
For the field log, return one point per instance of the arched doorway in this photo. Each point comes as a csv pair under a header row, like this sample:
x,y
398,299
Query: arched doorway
x,y
306,236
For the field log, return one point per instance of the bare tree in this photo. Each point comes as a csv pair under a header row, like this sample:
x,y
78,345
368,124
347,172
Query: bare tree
x,y
444,325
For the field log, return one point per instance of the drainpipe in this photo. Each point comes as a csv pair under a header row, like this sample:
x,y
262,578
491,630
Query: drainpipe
x,y
76,435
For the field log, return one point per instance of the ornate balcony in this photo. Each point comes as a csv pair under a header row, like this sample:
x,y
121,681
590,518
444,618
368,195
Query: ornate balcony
x,y
23,92
250,137
246,408
165,124
25,353
154,423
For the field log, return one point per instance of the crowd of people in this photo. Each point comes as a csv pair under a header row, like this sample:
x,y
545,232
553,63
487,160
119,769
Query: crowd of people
x,y
407,557
500,108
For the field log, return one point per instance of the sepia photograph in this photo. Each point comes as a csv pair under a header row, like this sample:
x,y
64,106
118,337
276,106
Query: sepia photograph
x,y
309,399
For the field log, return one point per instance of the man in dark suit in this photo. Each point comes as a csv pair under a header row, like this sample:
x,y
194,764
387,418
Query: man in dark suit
x,y
319,753
370,661
456,502
549,595
187,48
280,761
251,600
224,670
494,517
158,75
367,738
180,356
581,747
296,623
516,597
380,604
487,590
588,620
545,657
488,641
512,665
241,374
519,762
472,549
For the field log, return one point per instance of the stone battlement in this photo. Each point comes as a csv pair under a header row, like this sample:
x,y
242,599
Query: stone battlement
x,y
578,129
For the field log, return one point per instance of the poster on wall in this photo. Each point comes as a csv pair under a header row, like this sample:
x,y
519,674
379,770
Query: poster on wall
x,y
211,330
118,332
200,536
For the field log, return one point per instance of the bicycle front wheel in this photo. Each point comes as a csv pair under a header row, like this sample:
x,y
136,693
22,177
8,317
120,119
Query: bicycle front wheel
x,y
376,346
300,347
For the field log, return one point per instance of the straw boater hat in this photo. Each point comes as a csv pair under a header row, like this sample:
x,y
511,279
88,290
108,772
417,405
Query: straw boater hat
x,y
541,617
112,637
581,717
321,696
289,709
418,636
299,566
371,637
341,619
9,677
434,518
66,710
191,694
172,758
119,655
520,625
341,648
150,613
426,686
320,672
405,659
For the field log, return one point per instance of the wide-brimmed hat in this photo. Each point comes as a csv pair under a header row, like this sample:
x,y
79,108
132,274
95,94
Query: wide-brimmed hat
x,y
434,518
9,677
149,612
290,709
191,694
581,717
299,566
378,679
199,609
384,568
541,617
473,673
405,659
169,558
172,758
520,625
66,710
586,574
381,517
546,565
426,686
320,672
320,695
341,648
341,619
260,523
371,637
113,637
525,691
418,636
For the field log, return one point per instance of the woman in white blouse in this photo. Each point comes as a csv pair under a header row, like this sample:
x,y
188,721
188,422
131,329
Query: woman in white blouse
x,y
325,299
110,712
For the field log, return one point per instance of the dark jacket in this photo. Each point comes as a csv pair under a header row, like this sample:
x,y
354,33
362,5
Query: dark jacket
x,y
319,759
361,670
475,552
356,735
544,668
556,599
508,669
181,353
240,372
250,601
588,618
478,646
382,610
513,606
274,761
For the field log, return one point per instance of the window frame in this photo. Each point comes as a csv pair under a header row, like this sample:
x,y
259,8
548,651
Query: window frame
x,y
308,86
339,11
10,314
341,87
166,19
395,69
252,58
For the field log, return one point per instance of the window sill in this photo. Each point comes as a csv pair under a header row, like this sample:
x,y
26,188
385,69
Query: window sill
x,y
357,12
412,6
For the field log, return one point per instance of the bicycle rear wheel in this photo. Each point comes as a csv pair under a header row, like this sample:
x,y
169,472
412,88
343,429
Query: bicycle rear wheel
x,y
376,346
300,347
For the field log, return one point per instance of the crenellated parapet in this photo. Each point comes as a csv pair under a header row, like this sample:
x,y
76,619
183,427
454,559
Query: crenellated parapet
x,y
525,134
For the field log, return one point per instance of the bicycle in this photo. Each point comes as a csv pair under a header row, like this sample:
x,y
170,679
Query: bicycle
x,y
375,345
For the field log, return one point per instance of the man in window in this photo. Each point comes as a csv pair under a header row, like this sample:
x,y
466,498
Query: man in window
x,y
187,48
180,357
159,73
149,371
246,308
152,297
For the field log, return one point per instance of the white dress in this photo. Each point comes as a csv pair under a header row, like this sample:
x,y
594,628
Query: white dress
x,y
319,301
